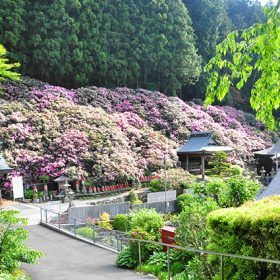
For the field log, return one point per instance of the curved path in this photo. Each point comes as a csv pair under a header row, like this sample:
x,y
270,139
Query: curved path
x,y
70,259
67,258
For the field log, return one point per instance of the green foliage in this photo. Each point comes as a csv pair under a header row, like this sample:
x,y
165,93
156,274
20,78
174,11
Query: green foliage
x,y
125,259
133,197
121,222
156,185
182,200
253,52
177,267
6,67
229,192
236,170
45,178
150,269
147,249
219,165
239,190
191,231
147,220
145,224
13,251
158,259
28,194
252,230
86,231
9,276
125,43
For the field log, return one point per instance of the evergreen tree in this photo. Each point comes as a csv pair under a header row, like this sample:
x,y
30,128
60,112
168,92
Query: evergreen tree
x,y
130,43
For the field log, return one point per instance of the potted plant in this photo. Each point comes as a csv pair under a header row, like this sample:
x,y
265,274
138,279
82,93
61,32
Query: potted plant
x,y
35,196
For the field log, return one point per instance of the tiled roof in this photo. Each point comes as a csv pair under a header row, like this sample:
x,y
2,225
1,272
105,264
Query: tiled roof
x,y
201,142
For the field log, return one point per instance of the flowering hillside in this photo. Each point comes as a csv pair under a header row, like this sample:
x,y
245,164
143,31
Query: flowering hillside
x,y
111,134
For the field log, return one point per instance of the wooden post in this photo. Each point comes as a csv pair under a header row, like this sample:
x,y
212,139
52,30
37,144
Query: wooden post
x,y
203,166
187,163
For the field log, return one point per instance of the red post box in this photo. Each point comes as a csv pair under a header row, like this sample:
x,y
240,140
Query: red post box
x,y
168,236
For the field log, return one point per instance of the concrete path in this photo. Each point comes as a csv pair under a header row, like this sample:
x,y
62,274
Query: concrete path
x,y
67,258
70,259
272,189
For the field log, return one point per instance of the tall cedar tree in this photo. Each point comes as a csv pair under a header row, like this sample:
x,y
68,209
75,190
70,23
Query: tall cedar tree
x,y
130,43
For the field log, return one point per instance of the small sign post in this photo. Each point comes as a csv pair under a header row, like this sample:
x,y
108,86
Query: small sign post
x,y
17,184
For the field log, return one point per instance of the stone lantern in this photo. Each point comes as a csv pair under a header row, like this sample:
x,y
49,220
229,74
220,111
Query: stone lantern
x,y
62,183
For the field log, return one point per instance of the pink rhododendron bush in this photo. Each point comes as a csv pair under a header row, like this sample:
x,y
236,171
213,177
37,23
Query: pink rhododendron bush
x,y
109,134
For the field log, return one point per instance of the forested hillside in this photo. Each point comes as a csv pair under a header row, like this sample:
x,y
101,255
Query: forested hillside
x,y
158,45
110,134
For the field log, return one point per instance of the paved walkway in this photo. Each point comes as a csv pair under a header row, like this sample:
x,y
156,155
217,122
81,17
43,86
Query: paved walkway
x,y
273,188
70,259
67,258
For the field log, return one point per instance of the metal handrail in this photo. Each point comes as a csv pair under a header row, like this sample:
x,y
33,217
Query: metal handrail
x,y
121,238
258,259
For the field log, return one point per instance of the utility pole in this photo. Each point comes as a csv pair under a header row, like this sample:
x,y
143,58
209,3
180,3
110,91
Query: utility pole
x,y
165,182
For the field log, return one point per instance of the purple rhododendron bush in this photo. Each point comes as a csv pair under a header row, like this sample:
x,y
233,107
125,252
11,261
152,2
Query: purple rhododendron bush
x,y
110,134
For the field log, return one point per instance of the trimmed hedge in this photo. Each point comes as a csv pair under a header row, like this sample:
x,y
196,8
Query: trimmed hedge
x,y
253,230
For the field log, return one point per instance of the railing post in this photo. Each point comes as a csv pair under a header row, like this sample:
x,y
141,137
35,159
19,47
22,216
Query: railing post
x,y
41,214
168,264
121,241
118,245
93,233
75,226
46,214
222,266
59,222
139,256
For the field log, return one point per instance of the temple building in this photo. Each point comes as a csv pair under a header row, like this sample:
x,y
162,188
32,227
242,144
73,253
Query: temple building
x,y
194,155
269,158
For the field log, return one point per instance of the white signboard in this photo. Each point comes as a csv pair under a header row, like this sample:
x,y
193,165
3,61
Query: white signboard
x,y
17,187
160,196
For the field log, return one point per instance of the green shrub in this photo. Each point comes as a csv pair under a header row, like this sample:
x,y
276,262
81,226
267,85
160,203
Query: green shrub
x,y
13,250
121,222
86,231
252,229
125,259
219,165
147,249
158,259
227,192
145,224
238,190
156,185
236,170
28,194
163,275
147,220
177,267
184,199
133,197
150,269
